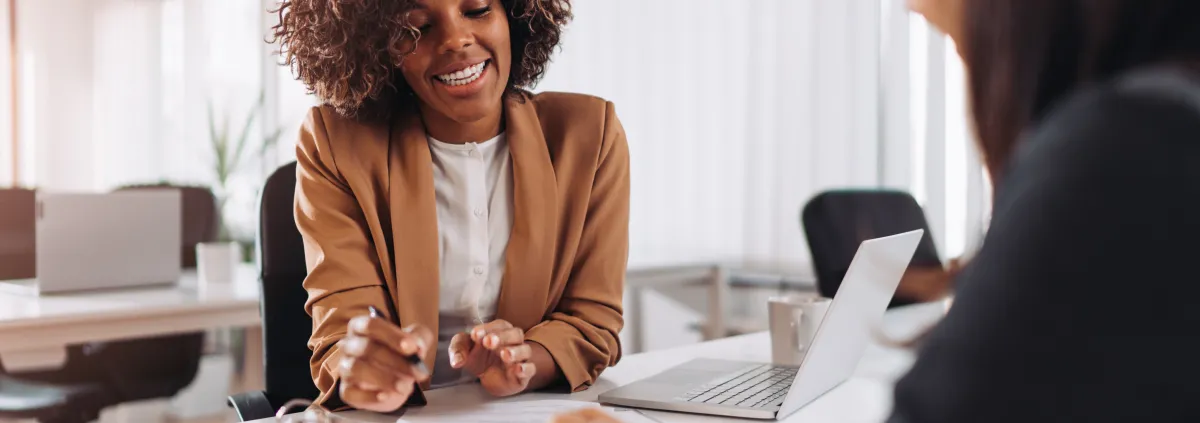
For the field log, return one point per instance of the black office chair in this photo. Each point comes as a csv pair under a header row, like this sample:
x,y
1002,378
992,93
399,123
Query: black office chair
x,y
48,402
836,222
286,326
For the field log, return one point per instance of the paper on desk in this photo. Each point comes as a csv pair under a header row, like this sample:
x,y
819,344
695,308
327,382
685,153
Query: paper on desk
x,y
512,412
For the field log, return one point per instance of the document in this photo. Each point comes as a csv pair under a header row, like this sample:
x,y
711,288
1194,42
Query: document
x,y
513,412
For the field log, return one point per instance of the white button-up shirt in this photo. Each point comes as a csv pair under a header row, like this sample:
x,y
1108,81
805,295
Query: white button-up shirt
x,y
473,186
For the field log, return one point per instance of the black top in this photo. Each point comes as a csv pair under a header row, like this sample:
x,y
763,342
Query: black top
x,y
1084,303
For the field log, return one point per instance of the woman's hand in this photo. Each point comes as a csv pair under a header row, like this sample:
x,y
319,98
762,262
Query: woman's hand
x,y
587,415
497,353
375,374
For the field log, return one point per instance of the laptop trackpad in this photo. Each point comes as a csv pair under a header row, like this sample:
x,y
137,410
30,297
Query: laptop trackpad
x,y
687,377
698,372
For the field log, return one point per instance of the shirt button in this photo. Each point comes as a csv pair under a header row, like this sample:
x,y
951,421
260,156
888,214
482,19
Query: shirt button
x,y
479,212
478,270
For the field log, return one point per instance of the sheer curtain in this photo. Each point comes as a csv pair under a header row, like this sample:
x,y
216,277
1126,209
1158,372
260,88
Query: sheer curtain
x,y
736,113
118,92
928,140
7,140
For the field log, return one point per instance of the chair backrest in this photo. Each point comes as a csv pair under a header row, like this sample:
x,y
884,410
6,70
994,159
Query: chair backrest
x,y
836,222
18,233
286,326
201,219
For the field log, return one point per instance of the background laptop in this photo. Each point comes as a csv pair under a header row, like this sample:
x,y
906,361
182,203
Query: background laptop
x,y
99,241
763,391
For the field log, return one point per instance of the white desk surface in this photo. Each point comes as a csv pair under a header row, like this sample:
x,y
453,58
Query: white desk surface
x,y
866,397
32,323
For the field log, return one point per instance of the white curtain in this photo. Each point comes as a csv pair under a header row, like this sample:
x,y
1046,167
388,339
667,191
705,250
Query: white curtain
x,y
117,92
736,113
6,110
929,145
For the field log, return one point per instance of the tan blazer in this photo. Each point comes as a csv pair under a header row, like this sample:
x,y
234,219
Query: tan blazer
x,y
365,207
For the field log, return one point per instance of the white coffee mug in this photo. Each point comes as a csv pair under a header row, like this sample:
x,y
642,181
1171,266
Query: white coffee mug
x,y
793,322
216,261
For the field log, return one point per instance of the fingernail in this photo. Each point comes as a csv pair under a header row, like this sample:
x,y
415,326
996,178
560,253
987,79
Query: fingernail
x,y
478,334
407,346
458,358
359,324
494,340
383,396
356,345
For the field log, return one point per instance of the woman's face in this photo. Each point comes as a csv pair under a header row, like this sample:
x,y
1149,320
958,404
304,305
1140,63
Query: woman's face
x,y
461,64
945,15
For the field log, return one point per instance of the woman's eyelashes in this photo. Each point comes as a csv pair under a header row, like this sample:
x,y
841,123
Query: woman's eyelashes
x,y
480,12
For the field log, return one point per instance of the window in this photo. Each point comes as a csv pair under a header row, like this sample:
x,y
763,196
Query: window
x,y
934,147
8,152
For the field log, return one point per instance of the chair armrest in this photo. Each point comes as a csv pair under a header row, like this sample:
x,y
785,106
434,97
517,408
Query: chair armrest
x,y
251,405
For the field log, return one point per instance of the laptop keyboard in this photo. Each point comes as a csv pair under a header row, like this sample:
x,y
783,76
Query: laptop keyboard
x,y
752,387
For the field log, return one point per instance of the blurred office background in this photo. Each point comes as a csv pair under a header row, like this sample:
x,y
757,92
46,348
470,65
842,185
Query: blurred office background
x,y
737,113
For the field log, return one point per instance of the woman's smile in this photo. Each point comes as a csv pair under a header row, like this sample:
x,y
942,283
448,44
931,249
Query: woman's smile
x,y
466,81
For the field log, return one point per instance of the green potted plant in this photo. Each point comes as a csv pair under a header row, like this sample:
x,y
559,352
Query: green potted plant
x,y
230,153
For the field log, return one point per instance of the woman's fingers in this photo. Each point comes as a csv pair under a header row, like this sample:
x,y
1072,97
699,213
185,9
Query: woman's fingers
x,y
380,356
479,332
516,354
460,348
413,340
522,372
499,338
379,342
359,372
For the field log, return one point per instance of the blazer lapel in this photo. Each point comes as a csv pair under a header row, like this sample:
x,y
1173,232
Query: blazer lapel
x,y
532,245
414,226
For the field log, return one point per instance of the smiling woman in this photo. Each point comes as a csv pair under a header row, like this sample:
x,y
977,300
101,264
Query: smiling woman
x,y
347,52
490,223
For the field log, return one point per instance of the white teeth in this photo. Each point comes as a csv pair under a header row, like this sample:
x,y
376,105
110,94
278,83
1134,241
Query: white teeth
x,y
463,77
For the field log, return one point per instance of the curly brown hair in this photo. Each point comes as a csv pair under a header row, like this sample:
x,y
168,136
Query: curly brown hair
x,y
347,52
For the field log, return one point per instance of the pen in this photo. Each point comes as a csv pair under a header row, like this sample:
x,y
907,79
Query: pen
x,y
413,360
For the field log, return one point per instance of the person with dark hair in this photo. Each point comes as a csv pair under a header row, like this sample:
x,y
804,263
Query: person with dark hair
x,y
436,193
1081,304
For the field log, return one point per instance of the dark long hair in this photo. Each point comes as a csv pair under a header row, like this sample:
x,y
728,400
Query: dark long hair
x,y
1023,56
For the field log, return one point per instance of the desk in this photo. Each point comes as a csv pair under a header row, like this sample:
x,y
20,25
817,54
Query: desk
x,y
33,328
866,397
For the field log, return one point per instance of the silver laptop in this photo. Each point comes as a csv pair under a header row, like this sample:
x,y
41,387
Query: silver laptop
x,y
99,241
763,391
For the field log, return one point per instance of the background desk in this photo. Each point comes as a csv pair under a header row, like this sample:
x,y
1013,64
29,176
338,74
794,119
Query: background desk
x,y
34,330
866,397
